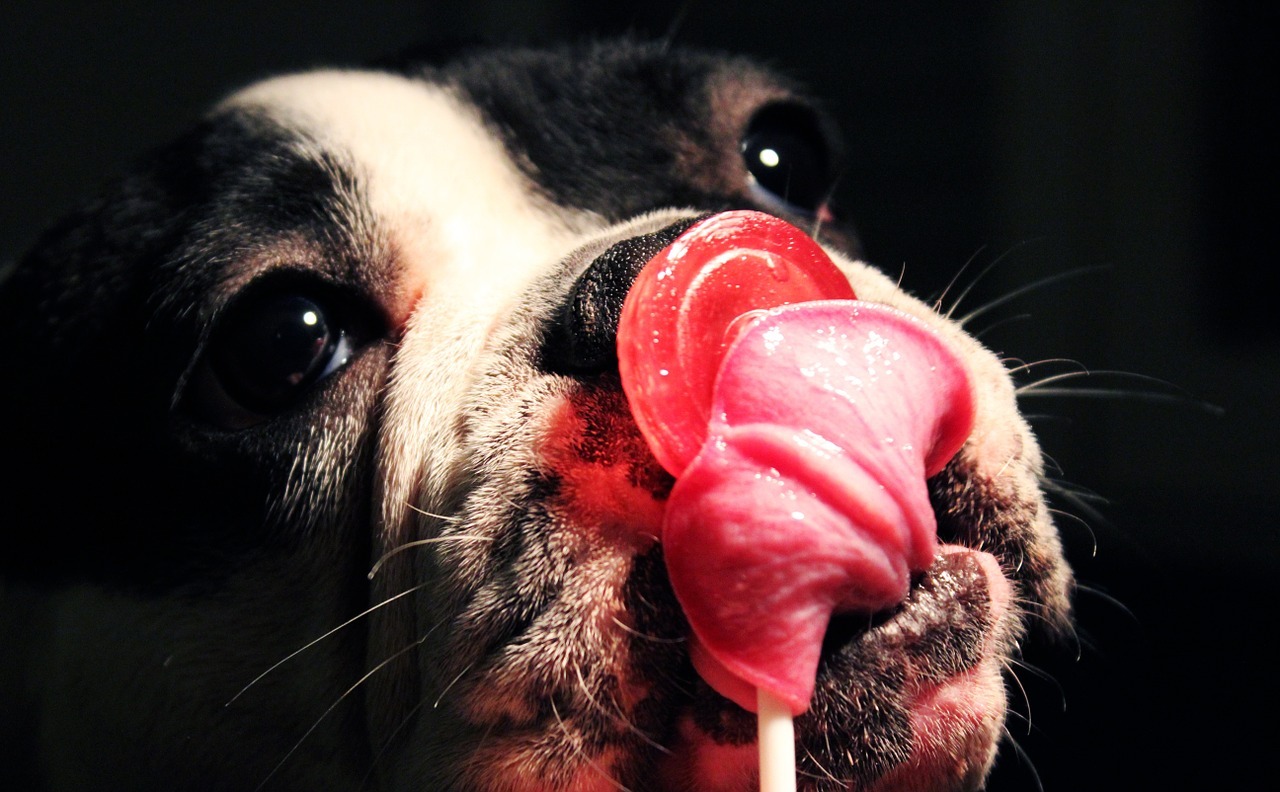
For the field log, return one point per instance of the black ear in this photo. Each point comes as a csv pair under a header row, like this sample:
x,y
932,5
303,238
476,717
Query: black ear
x,y
80,415
65,303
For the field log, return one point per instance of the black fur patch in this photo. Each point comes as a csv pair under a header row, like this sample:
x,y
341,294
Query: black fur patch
x,y
598,126
113,304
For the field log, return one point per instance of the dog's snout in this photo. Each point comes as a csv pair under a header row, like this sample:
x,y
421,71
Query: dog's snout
x,y
582,338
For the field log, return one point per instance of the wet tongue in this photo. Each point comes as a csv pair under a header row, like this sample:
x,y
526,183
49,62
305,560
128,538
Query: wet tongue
x,y
800,424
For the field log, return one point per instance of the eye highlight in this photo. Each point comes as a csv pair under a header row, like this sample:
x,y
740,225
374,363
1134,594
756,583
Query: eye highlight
x,y
788,159
272,346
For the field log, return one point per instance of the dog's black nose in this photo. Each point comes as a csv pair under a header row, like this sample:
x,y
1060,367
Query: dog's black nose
x,y
582,338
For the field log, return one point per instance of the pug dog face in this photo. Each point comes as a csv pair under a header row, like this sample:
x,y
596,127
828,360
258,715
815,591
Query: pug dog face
x,y
328,480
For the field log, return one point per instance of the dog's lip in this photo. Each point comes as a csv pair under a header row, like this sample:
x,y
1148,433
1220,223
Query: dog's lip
x,y
970,703
953,570
995,581
998,587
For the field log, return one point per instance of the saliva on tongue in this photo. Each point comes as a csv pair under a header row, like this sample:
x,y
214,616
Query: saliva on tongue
x,y
800,424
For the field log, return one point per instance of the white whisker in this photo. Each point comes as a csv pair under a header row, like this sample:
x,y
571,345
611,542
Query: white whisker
x,y
421,542
1179,397
1046,676
1077,492
673,30
312,643
1082,523
937,304
1016,293
581,752
335,704
448,687
644,636
433,515
616,715
978,334
1021,367
1026,699
1109,599
1076,499
1025,757
391,738
1126,395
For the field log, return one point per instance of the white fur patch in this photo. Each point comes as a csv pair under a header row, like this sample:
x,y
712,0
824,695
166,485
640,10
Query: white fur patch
x,y
468,230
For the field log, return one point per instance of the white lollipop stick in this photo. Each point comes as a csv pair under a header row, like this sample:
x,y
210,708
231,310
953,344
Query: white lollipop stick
x,y
777,741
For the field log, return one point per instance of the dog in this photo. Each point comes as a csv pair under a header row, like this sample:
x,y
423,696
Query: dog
x,y
326,479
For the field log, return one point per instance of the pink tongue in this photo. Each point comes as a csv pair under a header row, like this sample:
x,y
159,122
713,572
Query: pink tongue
x,y
808,495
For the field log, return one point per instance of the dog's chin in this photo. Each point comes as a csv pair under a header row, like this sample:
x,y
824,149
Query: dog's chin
x,y
910,700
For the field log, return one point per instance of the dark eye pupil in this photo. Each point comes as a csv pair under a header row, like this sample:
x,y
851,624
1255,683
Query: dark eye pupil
x,y
785,151
271,347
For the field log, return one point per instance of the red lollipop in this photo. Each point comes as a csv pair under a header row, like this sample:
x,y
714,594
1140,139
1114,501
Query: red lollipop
x,y
683,312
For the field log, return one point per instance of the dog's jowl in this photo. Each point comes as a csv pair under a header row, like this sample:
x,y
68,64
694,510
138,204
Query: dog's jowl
x,y
327,480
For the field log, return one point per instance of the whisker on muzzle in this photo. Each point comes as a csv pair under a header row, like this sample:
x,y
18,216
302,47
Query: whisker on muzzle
x,y
1024,757
1097,592
1083,500
423,542
452,683
390,740
941,298
991,305
1022,317
576,747
1024,367
616,715
315,641
823,773
1083,523
339,700
1026,699
1173,394
1040,673
960,298
645,636
408,718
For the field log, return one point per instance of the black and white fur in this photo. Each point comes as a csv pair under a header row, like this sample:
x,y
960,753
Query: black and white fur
x,y
173,554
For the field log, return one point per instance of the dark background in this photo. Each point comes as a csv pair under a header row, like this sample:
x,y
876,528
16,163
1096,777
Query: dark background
x,y
1132,139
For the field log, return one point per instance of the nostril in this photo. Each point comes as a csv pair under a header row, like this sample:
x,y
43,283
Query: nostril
x,y
582,337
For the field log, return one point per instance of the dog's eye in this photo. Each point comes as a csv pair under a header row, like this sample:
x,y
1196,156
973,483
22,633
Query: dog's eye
x,y
270,347
788,159
274,346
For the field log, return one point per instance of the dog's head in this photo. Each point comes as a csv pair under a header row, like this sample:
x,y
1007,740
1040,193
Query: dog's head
x,y
328,477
